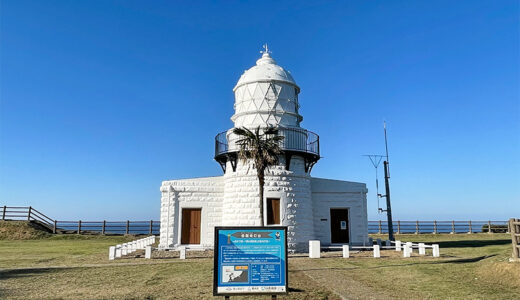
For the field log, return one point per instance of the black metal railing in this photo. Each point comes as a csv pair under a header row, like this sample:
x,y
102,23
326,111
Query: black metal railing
x,y
295,139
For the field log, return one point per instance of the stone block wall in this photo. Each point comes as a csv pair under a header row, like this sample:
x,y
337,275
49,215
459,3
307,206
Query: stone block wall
x,y
206,193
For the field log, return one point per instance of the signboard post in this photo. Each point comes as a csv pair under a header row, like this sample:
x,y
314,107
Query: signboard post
x,y
250,260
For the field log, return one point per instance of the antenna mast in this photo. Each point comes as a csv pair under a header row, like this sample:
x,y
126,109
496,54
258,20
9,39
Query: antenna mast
x,y
387,186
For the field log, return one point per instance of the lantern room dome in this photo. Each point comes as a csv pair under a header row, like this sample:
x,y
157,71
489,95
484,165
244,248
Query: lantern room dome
x,y
266,69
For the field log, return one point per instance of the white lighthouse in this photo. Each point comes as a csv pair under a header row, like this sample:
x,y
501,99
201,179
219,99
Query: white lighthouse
x,y
332,211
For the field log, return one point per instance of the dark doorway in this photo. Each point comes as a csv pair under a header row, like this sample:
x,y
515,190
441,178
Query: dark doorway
x,y
339,225
273,211
190,226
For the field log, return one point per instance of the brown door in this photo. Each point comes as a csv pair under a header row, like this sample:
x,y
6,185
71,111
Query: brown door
x,y
339,225
273,211
190,226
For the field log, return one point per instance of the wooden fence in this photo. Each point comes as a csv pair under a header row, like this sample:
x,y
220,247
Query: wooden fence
x,y
153,227
514,224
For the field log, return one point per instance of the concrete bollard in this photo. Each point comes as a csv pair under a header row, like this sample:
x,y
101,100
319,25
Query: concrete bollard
x,y
118,251
406,251
370,241
134,246
148,252
410,245
112,253
377,251
379,242
314,249
346,251
436,250
182,252
124,249
422,249
397,245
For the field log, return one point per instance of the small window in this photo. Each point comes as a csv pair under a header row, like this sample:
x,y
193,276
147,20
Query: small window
x,y
273,211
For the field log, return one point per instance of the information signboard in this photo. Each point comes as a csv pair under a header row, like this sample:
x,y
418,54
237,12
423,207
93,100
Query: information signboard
x,y
250,260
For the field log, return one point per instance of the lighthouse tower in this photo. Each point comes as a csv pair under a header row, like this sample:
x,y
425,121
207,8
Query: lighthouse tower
x,y
266,95
329,210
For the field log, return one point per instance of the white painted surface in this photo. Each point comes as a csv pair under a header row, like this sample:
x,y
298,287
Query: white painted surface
x,y
422,249
182,252
410,246
377,251
436,250
346,251
112,252
407,251
397,245
148,252
314,249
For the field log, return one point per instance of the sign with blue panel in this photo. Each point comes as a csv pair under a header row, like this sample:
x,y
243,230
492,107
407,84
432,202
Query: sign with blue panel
x,y
250,260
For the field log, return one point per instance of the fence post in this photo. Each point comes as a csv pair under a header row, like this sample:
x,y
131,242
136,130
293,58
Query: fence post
x,y
434,227
489,226
79,227
398,227
417,227
470,229
452,227
127,226
379,226
103,228
54,228
151,226
29,213
3,214
508,227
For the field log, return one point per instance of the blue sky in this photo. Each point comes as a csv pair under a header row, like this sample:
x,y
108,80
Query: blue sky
x,y
102,100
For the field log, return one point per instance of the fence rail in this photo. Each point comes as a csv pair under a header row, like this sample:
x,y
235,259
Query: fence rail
x,y
434,227
153,227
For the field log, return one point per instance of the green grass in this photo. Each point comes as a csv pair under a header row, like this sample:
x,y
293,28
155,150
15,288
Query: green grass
x,y
76,267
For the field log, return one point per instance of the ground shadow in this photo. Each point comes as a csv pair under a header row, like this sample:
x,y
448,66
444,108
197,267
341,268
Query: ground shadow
x,y
15,273
472,243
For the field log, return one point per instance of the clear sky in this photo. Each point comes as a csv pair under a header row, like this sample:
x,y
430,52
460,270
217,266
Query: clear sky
x,y
102,100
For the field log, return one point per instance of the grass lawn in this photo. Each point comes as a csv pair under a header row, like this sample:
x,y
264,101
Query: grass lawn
x,y
68,266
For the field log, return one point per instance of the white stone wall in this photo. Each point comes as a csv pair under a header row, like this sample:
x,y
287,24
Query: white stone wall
x,y
206,193
327,194
241,204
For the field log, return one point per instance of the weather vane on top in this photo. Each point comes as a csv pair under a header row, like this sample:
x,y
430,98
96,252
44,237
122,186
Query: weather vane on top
x,y
266,49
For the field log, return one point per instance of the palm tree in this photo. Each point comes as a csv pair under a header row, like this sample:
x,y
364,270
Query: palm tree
x,y
263,149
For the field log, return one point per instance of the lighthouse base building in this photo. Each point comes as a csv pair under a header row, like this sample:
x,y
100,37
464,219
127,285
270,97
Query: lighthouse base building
x,y
332,211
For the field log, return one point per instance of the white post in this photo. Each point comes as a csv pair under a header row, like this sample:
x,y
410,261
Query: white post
x,y
397,245
118,251
346,251
124,250
422,249
377,251
410,246
182,253
134,246
112,253
436,251
314,249
406,250
148,252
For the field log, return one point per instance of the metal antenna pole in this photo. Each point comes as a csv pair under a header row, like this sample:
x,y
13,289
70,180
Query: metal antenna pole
x,y
387,196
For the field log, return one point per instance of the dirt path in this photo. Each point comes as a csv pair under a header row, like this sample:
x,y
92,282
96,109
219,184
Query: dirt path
x,y
339,281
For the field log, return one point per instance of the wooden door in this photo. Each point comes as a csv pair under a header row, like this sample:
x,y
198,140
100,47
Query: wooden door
x,y
273,211
190,226
339,225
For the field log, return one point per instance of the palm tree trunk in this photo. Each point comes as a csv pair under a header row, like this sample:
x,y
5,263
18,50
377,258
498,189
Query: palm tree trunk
x,y
261,193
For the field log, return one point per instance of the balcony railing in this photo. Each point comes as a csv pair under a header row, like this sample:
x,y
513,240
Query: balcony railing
x,y
295,139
